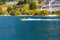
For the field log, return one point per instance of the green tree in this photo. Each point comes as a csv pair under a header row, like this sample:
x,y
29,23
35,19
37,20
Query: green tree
x,y
15,13
40,1
58,12
9,9
37,12
32,6
1,12
45,12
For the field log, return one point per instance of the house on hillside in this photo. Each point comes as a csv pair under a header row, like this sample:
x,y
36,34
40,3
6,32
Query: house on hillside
x,y
53,4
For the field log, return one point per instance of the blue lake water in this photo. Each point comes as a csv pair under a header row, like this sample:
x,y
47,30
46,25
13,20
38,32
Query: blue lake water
x,y
12,28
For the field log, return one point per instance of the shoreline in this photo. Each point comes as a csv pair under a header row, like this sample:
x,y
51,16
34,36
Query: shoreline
x,y
32,15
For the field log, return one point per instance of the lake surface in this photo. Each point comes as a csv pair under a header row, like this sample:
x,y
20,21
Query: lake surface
x,y
12,28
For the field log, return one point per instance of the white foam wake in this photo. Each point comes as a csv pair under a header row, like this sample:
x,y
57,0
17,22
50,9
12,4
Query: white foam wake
x,y
29,19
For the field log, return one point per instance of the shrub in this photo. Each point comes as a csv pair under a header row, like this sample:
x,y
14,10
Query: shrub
x,y
39,5
32,12
15,13
58,12
25,12
2,3
40,1
1,12
45,12
14,7
53,12
37,12
28,12
9,9
32,6
41,12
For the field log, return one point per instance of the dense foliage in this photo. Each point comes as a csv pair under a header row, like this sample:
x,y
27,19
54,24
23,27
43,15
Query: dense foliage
x,y
14,13
21,2
44,12
1,12
35,12
40,1
26,7
58,12
32,6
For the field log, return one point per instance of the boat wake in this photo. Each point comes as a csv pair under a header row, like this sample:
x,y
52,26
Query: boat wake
x,y
31,19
